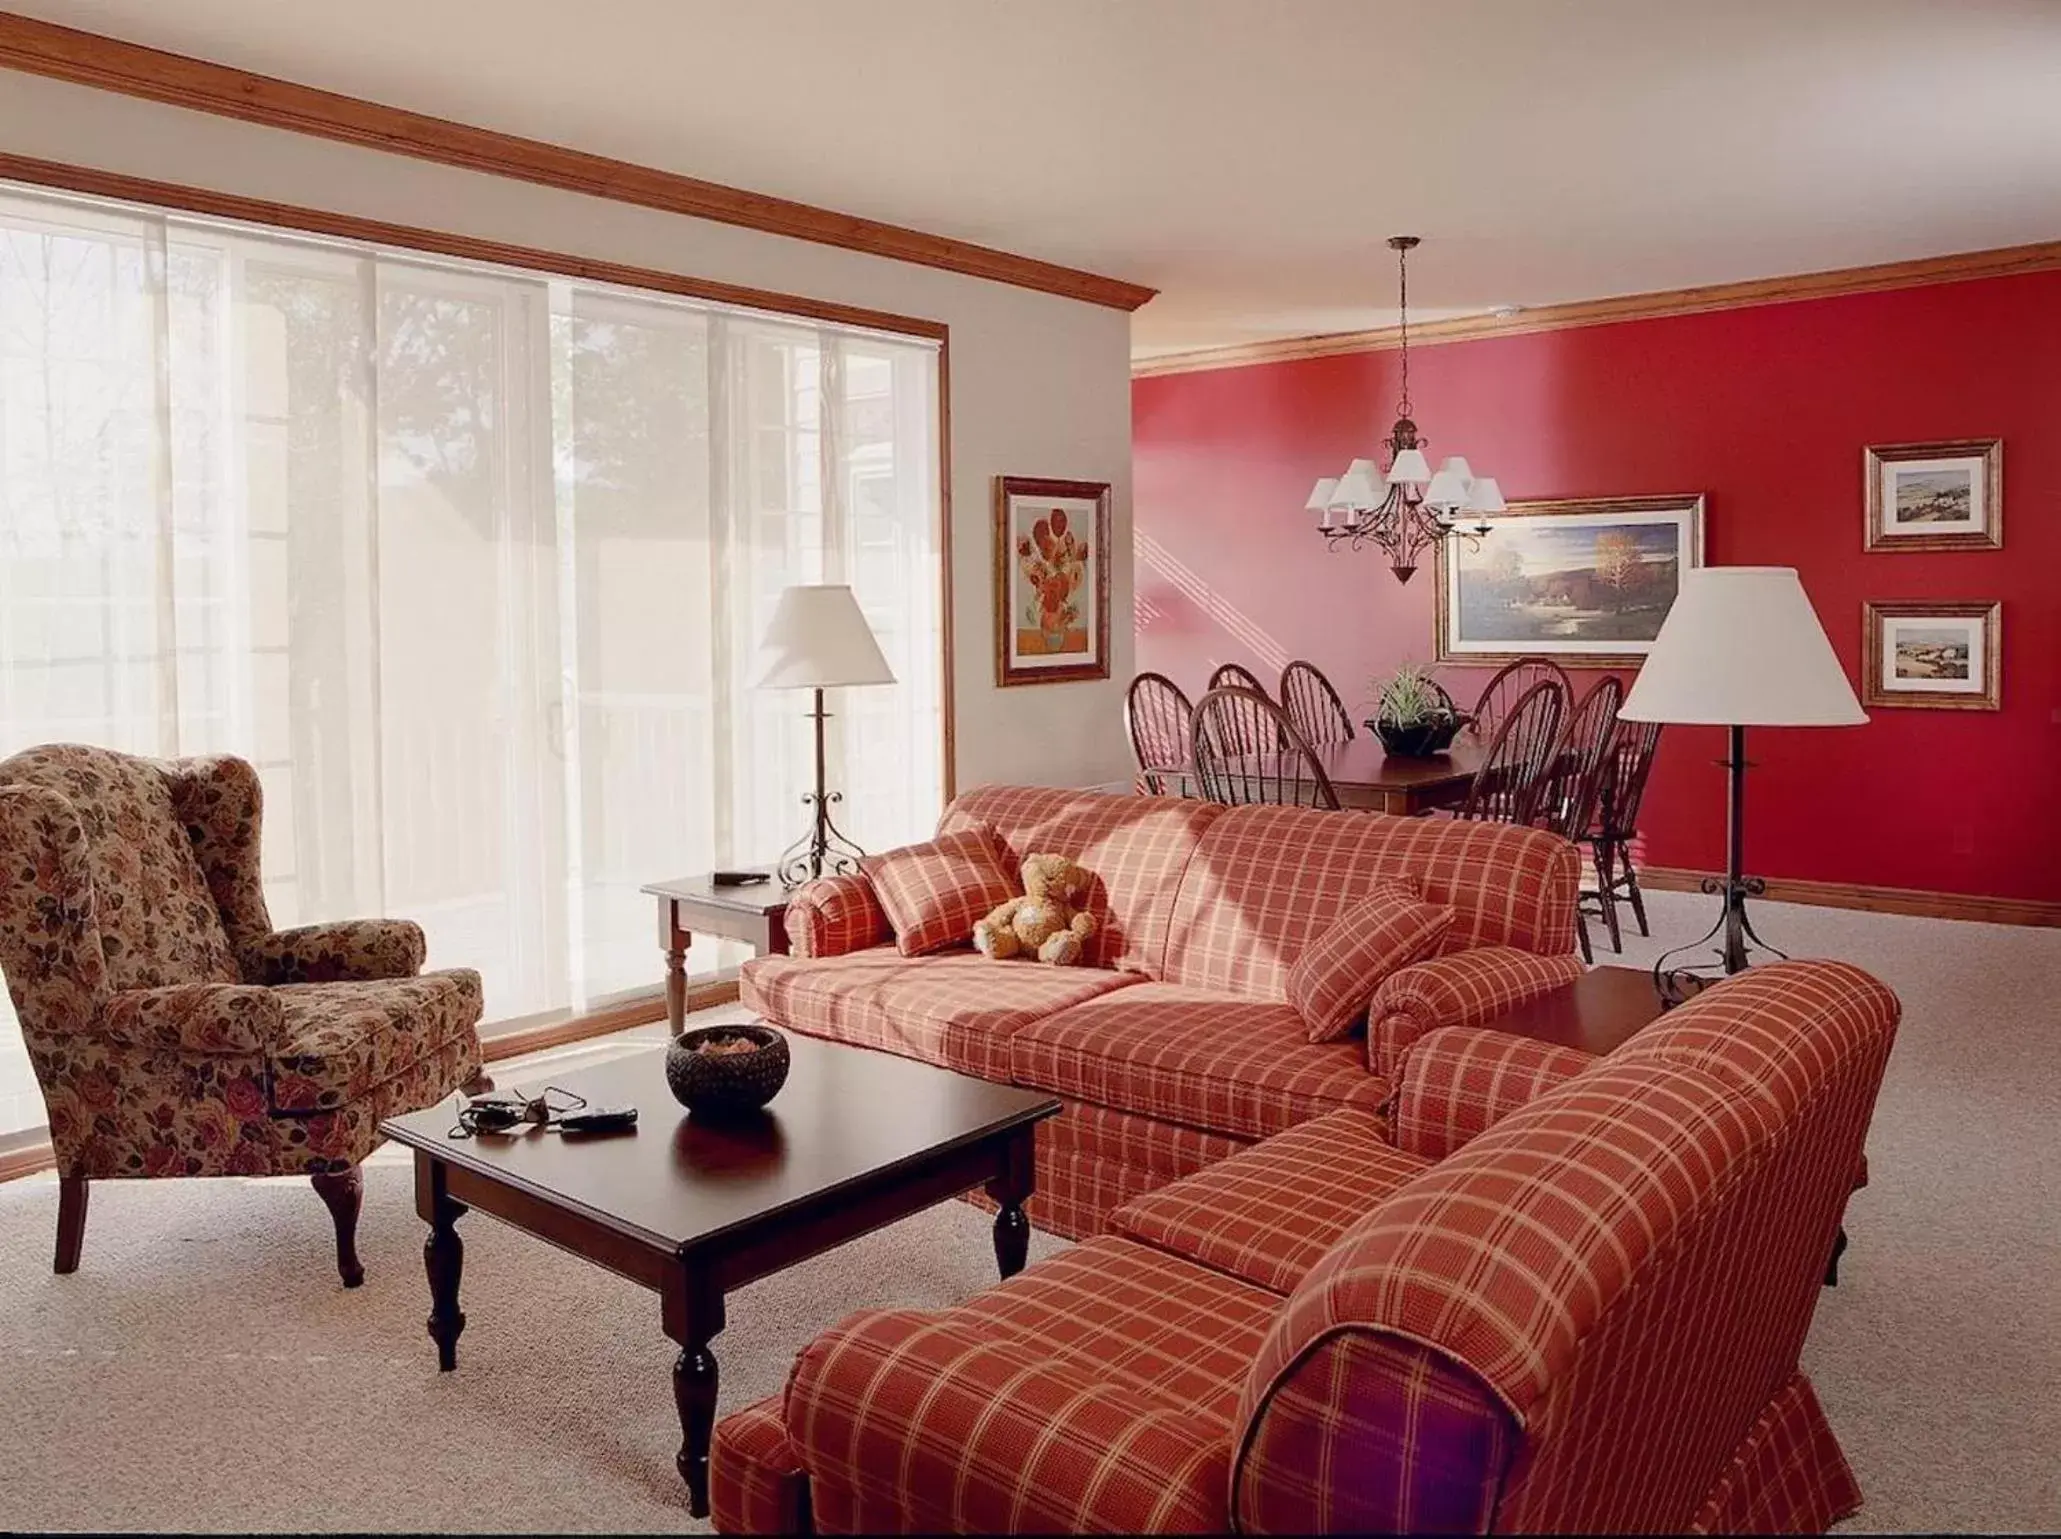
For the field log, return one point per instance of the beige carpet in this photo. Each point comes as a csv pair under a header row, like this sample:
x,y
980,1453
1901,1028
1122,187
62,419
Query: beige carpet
x,y
203,1370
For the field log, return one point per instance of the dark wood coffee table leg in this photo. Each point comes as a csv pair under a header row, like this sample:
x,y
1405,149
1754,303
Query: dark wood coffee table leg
x,y
443,1257
1011,1189
697,1322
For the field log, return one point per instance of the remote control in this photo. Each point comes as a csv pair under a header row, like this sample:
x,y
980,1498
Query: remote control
x,y
599,1119
740,878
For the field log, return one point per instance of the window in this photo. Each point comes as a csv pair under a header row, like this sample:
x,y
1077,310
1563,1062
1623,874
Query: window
x,y
470,563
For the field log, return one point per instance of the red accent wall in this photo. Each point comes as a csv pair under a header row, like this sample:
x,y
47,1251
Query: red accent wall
x,y
1766,411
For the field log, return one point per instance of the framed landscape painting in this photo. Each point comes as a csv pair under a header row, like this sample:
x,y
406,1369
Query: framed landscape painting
x,y
1051,580
1946,495
1584,581
1946,656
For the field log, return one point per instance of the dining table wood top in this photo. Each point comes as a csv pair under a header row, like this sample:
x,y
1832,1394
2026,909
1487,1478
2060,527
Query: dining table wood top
x,y
1369,778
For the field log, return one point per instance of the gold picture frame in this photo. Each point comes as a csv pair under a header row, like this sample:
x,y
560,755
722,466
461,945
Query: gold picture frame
x,y
1636,549
1051,580
1936,656
1944,494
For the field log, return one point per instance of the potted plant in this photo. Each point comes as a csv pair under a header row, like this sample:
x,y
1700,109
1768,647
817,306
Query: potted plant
x,y
1414,717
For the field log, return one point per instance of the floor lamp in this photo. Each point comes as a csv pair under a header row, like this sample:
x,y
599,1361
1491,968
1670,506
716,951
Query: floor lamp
x,y
1741,648
819,640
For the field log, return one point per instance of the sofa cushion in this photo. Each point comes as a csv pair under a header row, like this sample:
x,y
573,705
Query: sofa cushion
x,y
1091,1393
338,1041
1232,1066
1269,1214
935,893
1337,973
1267,881
1135,847
957,1010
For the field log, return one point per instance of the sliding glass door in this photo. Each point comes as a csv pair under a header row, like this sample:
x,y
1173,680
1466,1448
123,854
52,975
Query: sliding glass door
x,y
471,563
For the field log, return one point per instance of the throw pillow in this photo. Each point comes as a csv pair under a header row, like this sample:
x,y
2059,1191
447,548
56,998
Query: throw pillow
x,y
1337,973
934,894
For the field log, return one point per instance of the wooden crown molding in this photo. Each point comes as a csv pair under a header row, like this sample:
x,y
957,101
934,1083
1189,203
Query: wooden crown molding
x,y
373,232
1876,900
2044,256
109,64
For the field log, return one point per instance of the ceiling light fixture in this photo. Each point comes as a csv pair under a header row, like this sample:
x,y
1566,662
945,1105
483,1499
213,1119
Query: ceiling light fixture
x,y
1404,508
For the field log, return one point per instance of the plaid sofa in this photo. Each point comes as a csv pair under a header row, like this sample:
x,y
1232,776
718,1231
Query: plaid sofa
x,y
1569,1296
1175,1046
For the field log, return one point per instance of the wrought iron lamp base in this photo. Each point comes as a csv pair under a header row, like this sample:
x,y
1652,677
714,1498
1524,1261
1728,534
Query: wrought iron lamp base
x,y
824,850
1676,984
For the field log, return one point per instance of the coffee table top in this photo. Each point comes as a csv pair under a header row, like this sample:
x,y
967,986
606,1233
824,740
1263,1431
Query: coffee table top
x,y
846,1115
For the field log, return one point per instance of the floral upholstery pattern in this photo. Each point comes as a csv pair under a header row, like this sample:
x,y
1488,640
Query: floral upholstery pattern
x,y
1459,1081
140,958
1462,989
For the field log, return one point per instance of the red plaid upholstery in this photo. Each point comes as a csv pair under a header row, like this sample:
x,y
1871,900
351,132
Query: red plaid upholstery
x,y
934,894
1585,1257
1230,1066
1332,980
1092,1160
1462,989
1374,1435
756,1484
1461,1080
834,915
1091,1393
1269,1214
1789,1477
1137,849
958,1010
1267,881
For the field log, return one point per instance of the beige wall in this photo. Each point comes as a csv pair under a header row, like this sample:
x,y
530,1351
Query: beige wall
x,y
1040,385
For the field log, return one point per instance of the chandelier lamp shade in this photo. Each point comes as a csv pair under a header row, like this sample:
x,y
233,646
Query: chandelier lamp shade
x,y
1406,508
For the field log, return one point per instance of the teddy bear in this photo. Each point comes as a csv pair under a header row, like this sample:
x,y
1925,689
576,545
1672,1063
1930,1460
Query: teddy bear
x,y
1046,923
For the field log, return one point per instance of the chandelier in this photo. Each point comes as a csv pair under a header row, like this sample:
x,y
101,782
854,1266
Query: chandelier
x,y
1406,508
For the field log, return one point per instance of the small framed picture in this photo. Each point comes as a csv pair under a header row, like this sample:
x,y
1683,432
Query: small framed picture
x,y
1947,495
1051,580
1947,656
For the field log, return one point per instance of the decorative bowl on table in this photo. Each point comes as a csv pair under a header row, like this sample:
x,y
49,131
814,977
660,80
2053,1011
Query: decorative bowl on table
x,y
1418,739
726,1070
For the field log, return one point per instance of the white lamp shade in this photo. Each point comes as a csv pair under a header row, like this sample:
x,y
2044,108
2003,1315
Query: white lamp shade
x,y
1742,647
1320,498
818,639
1457,464
1410,469
1355,490
1446,491
1484,496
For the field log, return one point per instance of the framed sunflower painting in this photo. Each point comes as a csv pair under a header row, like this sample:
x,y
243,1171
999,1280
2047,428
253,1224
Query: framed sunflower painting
x,y
1051,580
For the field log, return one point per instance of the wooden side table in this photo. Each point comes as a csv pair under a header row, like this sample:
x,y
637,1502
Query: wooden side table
x,y
694,905
1597,1013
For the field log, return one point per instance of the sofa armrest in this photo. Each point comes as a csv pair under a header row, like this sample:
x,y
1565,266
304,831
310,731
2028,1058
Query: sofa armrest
x,y
966,1432
1459,1081
342,951
49,928
207,1019
1467,988
834,915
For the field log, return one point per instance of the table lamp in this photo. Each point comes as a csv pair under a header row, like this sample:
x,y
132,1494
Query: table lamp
x,y
1741,648
819,640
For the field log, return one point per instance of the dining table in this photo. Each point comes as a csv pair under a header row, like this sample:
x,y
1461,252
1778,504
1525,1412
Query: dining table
x,y
1368,778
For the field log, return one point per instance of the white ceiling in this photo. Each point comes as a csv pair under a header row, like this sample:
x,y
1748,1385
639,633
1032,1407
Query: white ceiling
x,y
1247,157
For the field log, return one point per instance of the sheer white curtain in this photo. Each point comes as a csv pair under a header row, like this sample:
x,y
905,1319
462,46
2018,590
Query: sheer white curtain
x,y
472,564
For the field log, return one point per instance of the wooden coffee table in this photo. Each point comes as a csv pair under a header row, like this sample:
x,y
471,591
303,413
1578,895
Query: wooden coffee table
x,y
694,1209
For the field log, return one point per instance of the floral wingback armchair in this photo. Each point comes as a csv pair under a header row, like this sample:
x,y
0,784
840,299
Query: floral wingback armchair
x,y
173,1030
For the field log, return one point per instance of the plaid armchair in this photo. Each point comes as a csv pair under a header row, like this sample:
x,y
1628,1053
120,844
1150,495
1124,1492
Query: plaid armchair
x,y
173,1030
